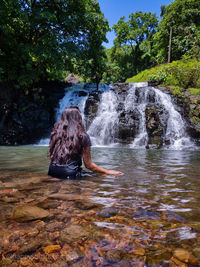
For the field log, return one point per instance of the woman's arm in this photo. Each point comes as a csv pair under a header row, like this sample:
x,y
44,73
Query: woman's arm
x,y
92,166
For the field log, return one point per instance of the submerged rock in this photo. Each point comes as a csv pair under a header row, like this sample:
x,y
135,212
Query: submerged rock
x,y
28,213
30,247
74,233
185,256
51,248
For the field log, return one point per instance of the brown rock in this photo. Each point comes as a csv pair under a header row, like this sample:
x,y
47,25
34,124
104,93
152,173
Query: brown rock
x,y
69,197
196,252
54,226
51,249
74,233
68,254
25,262
185,256
33,232
30,247
176,263
28,213
139,251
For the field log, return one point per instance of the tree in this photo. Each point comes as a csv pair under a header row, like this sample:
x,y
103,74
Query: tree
x,y
137,35
183,18
119,65
42,39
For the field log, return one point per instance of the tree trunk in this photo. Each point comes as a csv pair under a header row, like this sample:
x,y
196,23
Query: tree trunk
x,y
170,45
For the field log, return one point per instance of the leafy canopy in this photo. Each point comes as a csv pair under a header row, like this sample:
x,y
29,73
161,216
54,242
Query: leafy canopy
x,y
132,45
42,39
183,16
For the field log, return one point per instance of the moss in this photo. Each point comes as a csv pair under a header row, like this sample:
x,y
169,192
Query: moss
x,y
176,90
194,91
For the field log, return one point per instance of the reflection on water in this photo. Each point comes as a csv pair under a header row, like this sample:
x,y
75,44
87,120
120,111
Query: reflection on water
x,y
143,217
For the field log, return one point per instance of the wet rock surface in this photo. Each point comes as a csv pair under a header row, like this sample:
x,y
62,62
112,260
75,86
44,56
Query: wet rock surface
x,y
28,213
155,127
91,107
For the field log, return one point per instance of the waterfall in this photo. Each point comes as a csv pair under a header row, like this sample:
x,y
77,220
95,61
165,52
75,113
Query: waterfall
x,y
103,127
134,102
76,95
129,104
175,129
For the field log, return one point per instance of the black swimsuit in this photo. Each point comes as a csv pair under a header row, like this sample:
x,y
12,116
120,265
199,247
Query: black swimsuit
x,y
70,170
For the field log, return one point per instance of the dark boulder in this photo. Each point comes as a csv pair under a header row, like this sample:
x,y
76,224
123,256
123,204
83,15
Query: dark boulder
x,y
154,126
91,107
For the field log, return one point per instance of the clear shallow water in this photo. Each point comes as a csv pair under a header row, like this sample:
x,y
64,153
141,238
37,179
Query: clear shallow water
x,y
139,219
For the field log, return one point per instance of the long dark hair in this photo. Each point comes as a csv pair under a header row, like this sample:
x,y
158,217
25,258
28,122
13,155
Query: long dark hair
x,y
67,137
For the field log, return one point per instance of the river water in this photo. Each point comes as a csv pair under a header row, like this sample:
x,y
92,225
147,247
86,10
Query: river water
x,y
148,217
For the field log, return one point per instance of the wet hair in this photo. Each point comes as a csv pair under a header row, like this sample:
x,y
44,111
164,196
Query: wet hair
x,y
68,137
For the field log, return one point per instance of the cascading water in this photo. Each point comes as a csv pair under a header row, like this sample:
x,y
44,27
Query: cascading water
x,y
176,129
175,132
76,95
104,128
139,103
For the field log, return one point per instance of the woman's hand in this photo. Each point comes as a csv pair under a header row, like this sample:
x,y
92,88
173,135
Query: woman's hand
x,y
114,172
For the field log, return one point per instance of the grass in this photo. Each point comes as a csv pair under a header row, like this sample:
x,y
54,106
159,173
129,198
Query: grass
x,y
178,74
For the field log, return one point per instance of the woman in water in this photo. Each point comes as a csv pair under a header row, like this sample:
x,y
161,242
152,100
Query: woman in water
x,y
69,144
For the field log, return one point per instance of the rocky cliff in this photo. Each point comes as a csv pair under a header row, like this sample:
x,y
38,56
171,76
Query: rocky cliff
x,y
28,115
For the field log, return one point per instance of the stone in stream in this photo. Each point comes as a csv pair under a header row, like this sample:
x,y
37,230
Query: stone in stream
x,y
185,256
9,199
5,212
86,205
146,214
173,217
30,246
196,252
74,233
91,107
54,226
29,213
51,249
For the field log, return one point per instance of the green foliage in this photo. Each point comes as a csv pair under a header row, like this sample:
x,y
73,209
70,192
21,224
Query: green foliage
x,y
159,77
41,40
132,50
185,73
194,91
176,90
118,64
183,16
180,74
